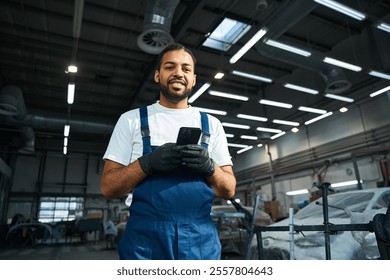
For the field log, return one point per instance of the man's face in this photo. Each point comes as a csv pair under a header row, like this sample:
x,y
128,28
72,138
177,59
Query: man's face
x,y
176,76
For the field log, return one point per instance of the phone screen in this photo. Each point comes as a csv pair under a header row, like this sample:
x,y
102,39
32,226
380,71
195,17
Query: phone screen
x,y
188,135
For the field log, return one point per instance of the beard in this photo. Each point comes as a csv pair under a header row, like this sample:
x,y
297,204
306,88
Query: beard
x,y
174,96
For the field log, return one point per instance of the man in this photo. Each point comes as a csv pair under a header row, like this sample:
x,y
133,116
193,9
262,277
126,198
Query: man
x,y
173,186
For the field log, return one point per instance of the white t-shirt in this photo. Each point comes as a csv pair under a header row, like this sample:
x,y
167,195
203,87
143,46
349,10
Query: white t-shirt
x,y
126,146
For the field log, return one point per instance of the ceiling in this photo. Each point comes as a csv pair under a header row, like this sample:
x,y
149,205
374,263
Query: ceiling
x,y
40,38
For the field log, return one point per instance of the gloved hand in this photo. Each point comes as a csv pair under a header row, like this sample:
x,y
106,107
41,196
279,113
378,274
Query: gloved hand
x,y
165,158
197,158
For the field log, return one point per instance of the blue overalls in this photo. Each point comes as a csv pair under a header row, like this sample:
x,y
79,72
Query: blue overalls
x,y
170,213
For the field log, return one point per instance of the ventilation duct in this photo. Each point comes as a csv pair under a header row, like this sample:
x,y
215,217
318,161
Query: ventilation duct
x,y
12,105
335,79
285,17
157,26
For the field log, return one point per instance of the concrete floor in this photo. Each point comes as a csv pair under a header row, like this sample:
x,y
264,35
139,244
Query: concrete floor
x,y
71,251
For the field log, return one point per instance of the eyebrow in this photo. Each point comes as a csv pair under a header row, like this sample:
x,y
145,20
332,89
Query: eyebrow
x,y
184,64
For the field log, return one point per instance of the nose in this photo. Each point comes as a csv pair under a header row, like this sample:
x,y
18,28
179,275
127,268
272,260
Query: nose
x,y
178,72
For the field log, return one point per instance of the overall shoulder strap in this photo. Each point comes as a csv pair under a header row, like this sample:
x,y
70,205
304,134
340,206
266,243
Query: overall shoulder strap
x,y
205,130
145,132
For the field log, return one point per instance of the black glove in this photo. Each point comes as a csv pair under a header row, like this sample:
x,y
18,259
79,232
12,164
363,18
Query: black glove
x,y
165,158
197,158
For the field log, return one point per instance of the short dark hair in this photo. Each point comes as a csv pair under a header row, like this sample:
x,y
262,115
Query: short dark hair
x,y
174,47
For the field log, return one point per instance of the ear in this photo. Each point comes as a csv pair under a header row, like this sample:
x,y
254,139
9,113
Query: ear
x,y
194,83
156,76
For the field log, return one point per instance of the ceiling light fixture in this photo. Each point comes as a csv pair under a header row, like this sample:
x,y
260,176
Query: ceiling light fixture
x,y
229,135
237,145
252,76
318,118
295,129
66,141
253,118
248,45
380,91
219,76
212,111
346,183
297,192
199,92
228,95
66,130
245,149
275,103
343,109
71,89
299,88
287,48
65,150
379,75
265,129
342,9
311,110
338,97
234,125
71,69
342,64
286,122
384,27
248,137
278,135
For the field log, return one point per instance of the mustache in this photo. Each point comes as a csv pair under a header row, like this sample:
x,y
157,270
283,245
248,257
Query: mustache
x,y
177,81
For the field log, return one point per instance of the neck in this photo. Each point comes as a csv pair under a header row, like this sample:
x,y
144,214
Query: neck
x,y
174,105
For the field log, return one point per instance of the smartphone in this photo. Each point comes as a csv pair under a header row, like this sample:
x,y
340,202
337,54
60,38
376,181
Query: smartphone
x,y
188,135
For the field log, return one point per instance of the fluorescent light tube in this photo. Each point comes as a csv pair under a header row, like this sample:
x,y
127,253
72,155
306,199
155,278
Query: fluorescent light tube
x,y
248,45
237,145
297,192
199,92
278,135
65,141
65,150
265,129
384,27
248,137
252,76
299,88
346,183
228,95
245,149
286,122
338,97
379,75
212,111
342,9
287,48
318,118
229,135
219,75
66,130
275,103
380,91
234,125
71,88
342,64
253,118
72,69
311,110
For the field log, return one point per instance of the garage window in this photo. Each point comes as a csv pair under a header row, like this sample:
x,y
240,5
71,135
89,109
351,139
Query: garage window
x,y
56,209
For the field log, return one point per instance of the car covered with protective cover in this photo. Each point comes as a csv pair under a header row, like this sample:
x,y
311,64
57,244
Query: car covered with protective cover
x,y
350,207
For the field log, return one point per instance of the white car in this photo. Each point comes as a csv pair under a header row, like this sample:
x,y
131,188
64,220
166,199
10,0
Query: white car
x,y
351,207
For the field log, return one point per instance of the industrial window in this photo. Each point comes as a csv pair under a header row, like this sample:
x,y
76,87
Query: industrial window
x,y
56,209
227,33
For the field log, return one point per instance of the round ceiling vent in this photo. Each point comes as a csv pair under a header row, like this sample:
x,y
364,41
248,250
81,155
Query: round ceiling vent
x,y
336,87
153,41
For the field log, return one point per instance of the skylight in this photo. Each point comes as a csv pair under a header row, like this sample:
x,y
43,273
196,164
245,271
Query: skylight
x,y
227,33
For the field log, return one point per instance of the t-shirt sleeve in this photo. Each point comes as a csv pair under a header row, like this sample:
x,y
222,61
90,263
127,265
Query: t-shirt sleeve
x,y
120,147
